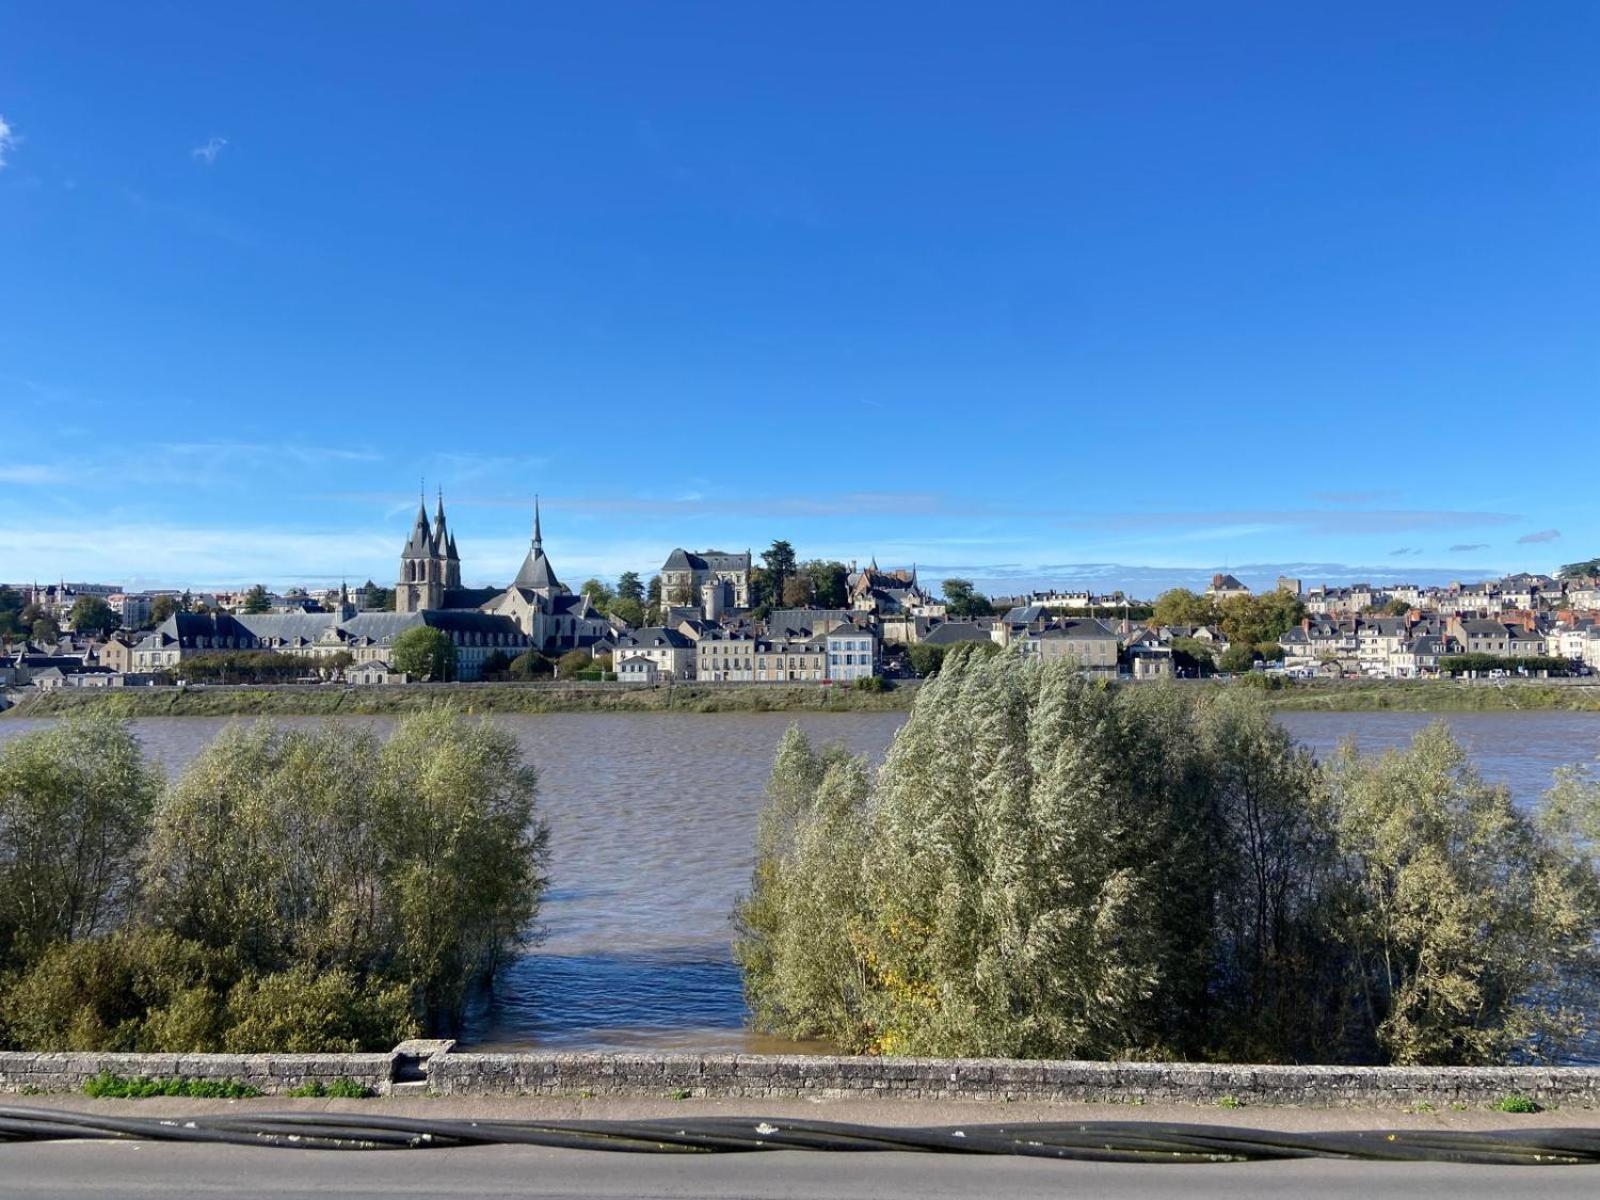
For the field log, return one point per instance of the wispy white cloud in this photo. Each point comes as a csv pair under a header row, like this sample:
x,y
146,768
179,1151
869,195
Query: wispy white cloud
x,y
1310,520
8,139
208,152
1468,547
34,473
1371,496
1533,539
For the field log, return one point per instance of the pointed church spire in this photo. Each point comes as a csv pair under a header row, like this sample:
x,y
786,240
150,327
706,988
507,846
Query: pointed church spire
x,y
438,519
538,538
420,544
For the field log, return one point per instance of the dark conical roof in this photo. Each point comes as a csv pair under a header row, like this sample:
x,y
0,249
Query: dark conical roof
x,y
536,569
536,572
451,553
421,544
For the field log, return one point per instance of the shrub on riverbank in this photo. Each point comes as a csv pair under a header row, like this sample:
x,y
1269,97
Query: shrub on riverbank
x,y
292,890
1046,866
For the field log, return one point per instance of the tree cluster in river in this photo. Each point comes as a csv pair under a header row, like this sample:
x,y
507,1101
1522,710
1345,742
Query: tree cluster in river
x,y
292,890
1045,866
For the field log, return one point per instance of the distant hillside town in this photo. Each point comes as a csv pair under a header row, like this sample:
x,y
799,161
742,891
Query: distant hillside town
x,y
713,616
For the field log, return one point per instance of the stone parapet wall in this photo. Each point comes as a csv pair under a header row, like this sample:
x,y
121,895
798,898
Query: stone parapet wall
x,y
437,1069
757,1077
273,1074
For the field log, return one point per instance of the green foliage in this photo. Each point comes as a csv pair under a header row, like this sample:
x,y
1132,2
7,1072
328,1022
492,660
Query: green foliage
x,y
418,861
872,683
1237,658
630,588
1048,866
340,1089
301,890
963,601
1587,569
779,561
74,800
161,608
1180,606
495,664
599,594
1516,1104
11,624
377,599
133,990
570,664
108,1086
92,615
309,1010
42,627
424,652
530,665
830,582
243,666
1193,656
629,610
1253,620
925,660
1467,923
256,600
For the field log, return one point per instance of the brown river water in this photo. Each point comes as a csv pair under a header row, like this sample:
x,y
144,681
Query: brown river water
x,y
652,820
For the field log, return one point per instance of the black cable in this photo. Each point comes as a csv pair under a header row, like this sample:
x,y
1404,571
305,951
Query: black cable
x,y
1095,1141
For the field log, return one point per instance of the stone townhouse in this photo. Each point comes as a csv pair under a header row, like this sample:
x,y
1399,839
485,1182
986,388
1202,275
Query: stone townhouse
x,y
739,655
1480,635
1088,643
668,653
853,653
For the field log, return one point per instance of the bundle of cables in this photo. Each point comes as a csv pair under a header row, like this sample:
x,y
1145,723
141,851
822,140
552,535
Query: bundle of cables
x,y
1095,1141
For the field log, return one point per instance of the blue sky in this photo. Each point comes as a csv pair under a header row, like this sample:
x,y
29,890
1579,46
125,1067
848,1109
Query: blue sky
x,y
1071,293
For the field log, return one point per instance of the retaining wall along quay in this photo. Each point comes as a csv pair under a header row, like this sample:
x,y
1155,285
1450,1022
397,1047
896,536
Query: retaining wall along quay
x,y
435,1067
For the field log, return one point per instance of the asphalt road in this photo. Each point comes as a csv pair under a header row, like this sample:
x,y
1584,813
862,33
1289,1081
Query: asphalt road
x,y
92,1169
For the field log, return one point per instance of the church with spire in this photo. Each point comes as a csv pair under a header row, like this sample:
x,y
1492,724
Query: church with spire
x,y
537,602
429,565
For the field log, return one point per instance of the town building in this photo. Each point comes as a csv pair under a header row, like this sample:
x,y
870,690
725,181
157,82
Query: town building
x,y
667,653
1224,586
686,572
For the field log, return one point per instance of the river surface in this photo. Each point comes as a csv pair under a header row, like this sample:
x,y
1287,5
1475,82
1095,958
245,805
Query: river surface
x,y
652,821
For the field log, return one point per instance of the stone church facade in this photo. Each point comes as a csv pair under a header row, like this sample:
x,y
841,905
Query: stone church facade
x,y
549,615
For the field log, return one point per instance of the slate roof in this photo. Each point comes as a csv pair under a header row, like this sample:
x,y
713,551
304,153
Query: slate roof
x,y
951,632
536,571
654,637
1083,629
706,560
420,544
1026,614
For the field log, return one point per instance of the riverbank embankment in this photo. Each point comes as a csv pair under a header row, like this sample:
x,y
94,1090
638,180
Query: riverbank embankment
x,y
437,1069
1324,695
527,698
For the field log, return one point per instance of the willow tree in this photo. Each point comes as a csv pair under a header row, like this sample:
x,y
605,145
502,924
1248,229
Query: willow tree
x,y
74,802
1472,927
1052,866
